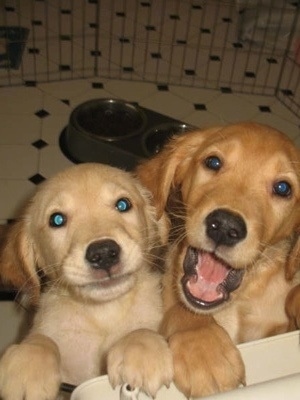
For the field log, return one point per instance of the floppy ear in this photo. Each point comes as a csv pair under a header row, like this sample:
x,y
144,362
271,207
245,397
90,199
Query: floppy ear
x,y
164,172
293,262
157,175
292,302
17,262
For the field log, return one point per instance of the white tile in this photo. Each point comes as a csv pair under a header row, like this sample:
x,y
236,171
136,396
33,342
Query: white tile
x,y
230,108
7,80
90,95
83,63
203,119
52,127
52,160
130,91
65,89
154,70
20,100
194,95
256,99
54,106
169,104
14,193
49,57
19,129
283,112
18,162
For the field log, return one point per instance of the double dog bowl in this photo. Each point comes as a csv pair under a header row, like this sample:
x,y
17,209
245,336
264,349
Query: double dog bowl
x,y
116,132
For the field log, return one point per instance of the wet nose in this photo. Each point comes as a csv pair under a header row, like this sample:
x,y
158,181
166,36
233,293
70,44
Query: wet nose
x,y
225,227
103,254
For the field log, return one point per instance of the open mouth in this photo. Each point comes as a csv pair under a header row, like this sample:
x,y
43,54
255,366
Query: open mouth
x,y
207,280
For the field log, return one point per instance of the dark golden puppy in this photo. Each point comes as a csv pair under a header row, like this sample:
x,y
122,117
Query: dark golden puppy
x,y
230,197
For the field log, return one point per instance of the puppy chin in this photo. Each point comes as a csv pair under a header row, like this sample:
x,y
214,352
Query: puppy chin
x,y
105,290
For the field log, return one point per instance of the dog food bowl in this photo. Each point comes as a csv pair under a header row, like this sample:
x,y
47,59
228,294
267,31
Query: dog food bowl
x,y
95,125
116,132
107,119
157,137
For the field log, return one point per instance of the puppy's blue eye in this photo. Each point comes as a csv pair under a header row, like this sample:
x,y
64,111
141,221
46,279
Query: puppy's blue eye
x,y
123,204
282,188
57,220
213,162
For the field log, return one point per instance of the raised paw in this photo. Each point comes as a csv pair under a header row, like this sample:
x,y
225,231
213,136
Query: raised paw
x,y
141,359
292,308
30,370
206,362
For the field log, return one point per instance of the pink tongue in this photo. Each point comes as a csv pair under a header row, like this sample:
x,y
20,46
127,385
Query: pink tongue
x,y
210,274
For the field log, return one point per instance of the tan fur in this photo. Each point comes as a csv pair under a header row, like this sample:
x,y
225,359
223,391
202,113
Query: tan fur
x,y
254,157
83,312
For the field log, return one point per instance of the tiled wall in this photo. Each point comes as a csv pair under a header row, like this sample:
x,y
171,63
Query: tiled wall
x,y
245,46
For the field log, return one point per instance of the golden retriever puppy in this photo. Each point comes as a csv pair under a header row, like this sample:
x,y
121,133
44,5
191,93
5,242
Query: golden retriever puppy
x,y
90,235
232,198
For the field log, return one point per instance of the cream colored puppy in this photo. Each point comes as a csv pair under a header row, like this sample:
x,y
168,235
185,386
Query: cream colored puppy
x,y
90,235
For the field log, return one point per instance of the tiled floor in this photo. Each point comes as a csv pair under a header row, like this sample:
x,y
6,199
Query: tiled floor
x,y
32,119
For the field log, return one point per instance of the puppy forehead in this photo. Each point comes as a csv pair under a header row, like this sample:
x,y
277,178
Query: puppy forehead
x,y
88,186
233,150
256,143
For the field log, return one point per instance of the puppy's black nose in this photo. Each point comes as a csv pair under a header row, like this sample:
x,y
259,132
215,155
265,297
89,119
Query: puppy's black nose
x,y
225,227
103,254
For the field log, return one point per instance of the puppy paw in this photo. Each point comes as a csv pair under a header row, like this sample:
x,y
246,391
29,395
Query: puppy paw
x,y
206,362
141,359
292,308
30,370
